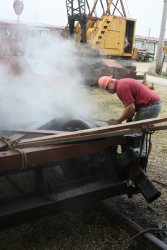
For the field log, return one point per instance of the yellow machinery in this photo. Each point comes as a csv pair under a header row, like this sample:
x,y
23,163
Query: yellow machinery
x,y
111,35
105,43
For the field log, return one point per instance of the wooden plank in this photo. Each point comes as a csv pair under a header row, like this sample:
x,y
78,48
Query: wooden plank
x,y
93,133
80,138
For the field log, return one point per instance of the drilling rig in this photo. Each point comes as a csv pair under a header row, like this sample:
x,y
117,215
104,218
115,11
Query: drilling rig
x,y
110,37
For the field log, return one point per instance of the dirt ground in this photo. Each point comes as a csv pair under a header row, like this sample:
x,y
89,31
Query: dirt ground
x,y
149,67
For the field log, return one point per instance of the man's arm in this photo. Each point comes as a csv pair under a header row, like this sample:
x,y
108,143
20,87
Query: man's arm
x,y
128,112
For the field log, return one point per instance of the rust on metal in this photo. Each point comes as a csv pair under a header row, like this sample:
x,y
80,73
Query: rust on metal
x,y
12,161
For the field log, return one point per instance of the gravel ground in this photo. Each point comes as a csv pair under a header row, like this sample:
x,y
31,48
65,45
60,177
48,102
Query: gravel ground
x,y
67,230
77,231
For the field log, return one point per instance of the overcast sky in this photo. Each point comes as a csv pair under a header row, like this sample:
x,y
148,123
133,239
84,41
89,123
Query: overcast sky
x,y
147,12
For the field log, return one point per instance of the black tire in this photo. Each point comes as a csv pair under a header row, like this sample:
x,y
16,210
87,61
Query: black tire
x,y
76,168
76,124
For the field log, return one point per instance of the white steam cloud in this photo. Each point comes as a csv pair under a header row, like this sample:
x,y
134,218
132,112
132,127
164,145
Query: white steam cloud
x,y
50,85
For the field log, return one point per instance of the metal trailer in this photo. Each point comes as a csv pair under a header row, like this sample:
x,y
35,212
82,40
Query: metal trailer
x,y
45,171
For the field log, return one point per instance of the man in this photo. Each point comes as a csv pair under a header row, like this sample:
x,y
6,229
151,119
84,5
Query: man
x,y
139,101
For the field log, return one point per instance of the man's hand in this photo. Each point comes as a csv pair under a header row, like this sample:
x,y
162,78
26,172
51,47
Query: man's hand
x,y
113,122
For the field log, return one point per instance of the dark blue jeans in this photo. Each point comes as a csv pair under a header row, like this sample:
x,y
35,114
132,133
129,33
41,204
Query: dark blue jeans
x,y
151,111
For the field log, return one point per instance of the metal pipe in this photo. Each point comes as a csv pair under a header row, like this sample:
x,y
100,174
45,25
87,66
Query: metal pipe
x,y
123,9
94,6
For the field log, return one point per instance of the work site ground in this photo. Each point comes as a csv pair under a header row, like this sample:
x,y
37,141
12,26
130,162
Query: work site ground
x,y
148,68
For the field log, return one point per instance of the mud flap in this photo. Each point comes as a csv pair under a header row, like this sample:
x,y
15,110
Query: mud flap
x,y
146,186
129,167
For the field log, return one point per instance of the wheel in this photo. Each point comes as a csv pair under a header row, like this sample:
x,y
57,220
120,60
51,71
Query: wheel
x,y
75,125
77,168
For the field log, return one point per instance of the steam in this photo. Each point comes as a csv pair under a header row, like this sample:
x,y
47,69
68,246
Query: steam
x,y
50,86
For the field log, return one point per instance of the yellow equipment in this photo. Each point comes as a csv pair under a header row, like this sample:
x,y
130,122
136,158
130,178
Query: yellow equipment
x,y
111,35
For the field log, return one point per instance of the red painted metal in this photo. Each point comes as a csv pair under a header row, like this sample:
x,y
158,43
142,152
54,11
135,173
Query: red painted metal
x,y
12,160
